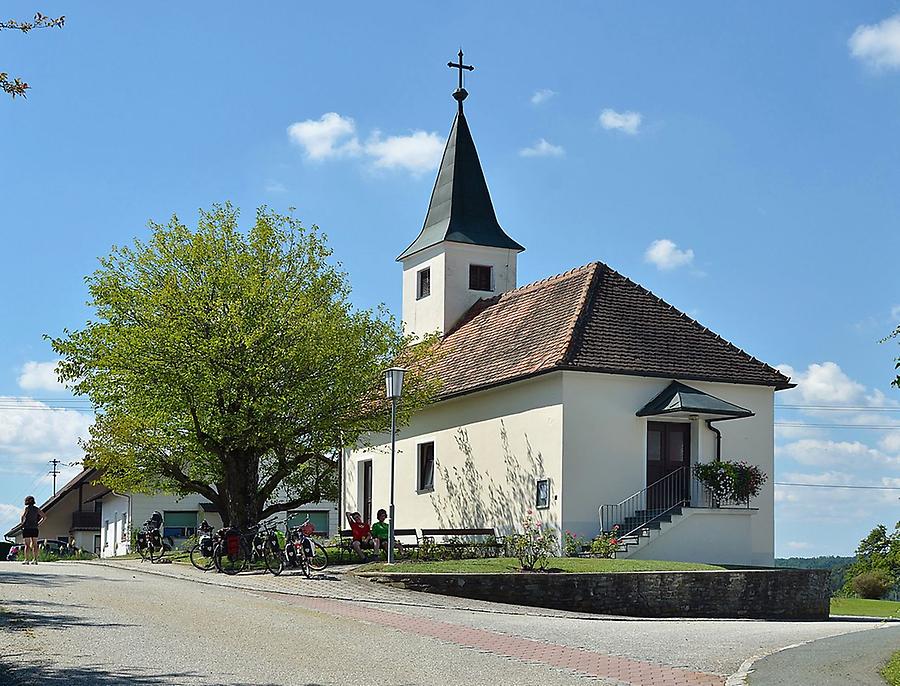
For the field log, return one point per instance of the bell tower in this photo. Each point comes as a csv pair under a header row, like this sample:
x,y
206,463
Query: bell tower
x,y
462,254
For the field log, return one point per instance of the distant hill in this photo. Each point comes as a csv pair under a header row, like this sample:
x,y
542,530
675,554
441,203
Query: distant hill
x,y
838,566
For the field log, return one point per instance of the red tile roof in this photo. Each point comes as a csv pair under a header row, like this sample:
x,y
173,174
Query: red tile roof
x,y
593,319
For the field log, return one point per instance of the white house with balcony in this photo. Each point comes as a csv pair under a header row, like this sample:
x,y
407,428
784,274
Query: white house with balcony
x,y
583,397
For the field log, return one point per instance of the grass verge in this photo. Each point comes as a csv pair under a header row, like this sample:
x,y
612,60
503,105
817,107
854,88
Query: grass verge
x,y
865,608
891,671
557,564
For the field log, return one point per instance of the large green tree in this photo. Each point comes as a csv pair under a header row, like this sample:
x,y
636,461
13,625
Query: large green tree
x,y
232,364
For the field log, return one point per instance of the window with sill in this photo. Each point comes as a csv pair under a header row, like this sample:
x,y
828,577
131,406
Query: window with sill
x,y
481,277
425,476
423,283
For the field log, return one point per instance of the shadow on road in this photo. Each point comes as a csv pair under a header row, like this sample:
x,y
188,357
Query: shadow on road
x,y
33,578
22,615
22,674
25,673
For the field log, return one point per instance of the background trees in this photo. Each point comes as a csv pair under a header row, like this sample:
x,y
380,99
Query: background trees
x,y
232,364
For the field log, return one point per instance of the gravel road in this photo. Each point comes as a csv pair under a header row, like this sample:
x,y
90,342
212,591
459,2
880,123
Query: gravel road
x,y
93,624
85,624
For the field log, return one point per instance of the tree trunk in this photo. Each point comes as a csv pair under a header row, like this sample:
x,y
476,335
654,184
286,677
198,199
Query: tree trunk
x,y
241,489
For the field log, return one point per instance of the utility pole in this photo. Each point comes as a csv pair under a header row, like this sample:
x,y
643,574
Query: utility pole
x,y
54,472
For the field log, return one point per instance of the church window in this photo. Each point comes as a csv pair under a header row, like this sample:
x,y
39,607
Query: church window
x,y
423,283
481,277
425,480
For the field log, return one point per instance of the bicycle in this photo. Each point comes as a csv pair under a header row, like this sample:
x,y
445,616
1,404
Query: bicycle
x,y
299,551
237,549
151,544
202,551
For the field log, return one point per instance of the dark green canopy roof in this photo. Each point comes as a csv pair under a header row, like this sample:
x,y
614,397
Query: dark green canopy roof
x,y
679,398
461,210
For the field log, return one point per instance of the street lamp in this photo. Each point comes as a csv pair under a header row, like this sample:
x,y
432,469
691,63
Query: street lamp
x,y
393,386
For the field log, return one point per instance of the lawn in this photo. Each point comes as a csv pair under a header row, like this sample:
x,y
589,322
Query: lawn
x,y
561,564
891,671
865,608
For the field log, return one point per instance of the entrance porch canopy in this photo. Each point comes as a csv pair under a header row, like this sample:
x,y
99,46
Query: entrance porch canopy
x,y
680,400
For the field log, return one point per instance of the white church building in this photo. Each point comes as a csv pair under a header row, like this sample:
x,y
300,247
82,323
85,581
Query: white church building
x,y
582,397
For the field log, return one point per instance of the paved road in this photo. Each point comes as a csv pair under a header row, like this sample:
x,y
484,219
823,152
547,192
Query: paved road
x,y
91,624
855,659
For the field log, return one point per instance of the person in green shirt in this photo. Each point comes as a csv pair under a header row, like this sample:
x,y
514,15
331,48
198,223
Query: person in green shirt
x,y
381,532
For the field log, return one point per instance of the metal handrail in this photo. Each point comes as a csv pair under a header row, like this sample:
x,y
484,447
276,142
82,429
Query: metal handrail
x,y
670,493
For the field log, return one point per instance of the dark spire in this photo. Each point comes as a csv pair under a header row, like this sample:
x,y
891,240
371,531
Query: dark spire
x,y
461,210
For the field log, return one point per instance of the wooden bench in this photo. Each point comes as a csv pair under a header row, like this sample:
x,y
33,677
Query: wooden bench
x,y
490,544
345,542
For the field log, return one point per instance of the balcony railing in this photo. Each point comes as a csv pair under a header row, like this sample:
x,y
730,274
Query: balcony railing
x,y
85,520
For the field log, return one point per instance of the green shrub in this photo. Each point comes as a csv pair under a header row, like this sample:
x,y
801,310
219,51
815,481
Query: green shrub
x,y
534,547
872,585
606,545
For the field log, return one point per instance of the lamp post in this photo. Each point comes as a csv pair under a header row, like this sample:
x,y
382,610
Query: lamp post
x,y
393,385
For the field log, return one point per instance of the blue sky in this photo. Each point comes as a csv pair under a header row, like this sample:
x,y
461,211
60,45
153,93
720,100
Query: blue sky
x,y
738,160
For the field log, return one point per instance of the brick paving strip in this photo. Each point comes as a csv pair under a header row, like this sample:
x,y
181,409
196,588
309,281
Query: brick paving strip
x,y
621,670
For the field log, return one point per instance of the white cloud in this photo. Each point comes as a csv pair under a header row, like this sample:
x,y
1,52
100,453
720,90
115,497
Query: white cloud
x,y
819,452
799,545
275,187
9,516
541,96
666,255
822,384
878,44
32,433
418,152
626,122
331,135
40,376
895,314
890,442
543,149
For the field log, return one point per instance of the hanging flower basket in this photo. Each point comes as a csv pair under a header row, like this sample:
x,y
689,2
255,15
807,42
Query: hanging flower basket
x,y
729,481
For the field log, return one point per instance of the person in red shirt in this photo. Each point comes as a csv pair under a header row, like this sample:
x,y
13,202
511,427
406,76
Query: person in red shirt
x,y
362,534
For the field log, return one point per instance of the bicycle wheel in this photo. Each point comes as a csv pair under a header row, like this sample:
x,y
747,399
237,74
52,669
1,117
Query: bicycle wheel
x,y
156,548
318,561
231,563
273,558
143,550
199,560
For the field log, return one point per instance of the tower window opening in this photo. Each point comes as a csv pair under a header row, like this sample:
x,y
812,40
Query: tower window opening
x,y
481,277
423,283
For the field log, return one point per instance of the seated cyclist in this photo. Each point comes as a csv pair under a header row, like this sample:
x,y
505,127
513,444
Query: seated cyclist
x,y
362,534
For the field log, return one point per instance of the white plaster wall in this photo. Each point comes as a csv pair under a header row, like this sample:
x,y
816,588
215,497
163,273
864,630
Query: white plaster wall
x,y
711,536
424,316
458,257
604,445
450,295
490,448
114,506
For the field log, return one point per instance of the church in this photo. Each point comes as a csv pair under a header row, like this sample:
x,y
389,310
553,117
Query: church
x,y
583,399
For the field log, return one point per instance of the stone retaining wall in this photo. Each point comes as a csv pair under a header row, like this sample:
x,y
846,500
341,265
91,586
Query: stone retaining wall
x,y
745,593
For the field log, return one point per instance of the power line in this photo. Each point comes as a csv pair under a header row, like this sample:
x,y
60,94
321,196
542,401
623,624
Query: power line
x,y
842,408
880,427
875,488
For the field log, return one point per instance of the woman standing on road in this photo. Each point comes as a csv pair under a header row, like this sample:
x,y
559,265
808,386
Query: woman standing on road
x,y
32,518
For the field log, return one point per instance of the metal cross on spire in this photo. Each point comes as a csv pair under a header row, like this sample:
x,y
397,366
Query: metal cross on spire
x,y
460,93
